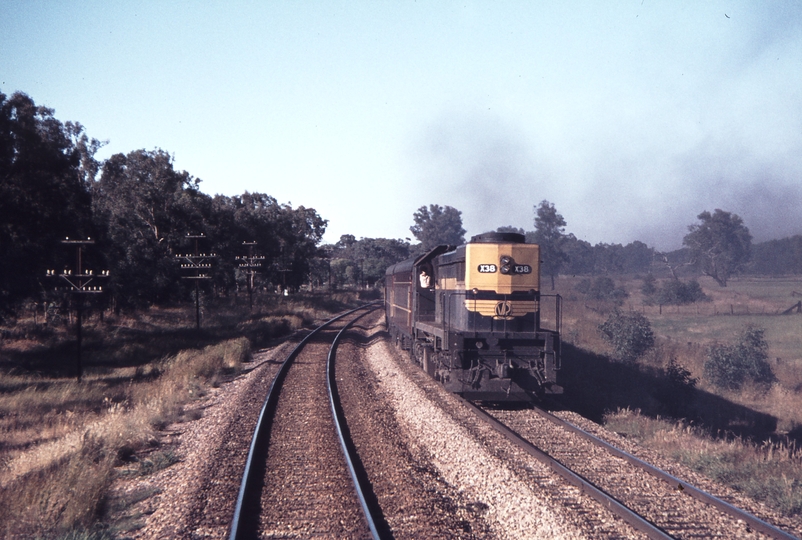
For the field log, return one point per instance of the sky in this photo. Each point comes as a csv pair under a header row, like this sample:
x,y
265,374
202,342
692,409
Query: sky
x,y
631,117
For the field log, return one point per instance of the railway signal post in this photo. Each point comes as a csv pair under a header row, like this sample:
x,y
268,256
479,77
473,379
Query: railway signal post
x,y
78,285
197,264
249,265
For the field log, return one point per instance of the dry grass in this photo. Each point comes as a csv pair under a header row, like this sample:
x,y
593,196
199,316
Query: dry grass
x,y
63,480
764,460
770,471
62,441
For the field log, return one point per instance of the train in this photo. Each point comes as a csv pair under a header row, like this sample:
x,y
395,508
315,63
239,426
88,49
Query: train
x,y
473,317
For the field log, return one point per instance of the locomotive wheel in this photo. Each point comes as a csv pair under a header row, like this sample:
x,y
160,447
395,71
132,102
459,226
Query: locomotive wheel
x,y
424,357
417,353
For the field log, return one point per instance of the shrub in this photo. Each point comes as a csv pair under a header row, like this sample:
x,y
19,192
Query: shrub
x,y
629,334
676,391
602,288
649,286
675,292
731,366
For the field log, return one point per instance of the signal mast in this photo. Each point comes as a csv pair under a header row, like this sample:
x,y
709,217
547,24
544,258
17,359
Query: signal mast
x,y
249,265
78,284
197,264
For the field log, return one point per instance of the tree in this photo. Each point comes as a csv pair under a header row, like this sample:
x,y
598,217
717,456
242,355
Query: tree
x,y
288,237
437,225
580,255
637,257
144,209
649,286
364,261
720,244
549,228
678,293
602,288
777,257
608,258
42,195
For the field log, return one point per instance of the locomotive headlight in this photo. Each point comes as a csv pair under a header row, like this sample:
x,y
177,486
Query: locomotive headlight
x,y
507,264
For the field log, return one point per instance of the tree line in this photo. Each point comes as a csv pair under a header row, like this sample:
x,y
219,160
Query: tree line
x,y
137,208
719,245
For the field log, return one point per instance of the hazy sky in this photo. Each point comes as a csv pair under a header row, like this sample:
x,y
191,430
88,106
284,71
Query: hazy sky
x,y
632,117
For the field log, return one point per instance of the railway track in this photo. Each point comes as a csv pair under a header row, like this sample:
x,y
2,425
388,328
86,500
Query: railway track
x,y
301,478
433,467
667,508
606,495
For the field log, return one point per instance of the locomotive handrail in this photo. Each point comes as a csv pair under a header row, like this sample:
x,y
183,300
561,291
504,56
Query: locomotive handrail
x,y
558,315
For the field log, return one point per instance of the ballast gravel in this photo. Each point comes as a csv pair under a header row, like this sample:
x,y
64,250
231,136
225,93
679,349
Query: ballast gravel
x,y
513,508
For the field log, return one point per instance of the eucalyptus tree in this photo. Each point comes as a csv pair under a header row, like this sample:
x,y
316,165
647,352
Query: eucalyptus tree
x,y
438,225
144,209
720,244
549,234
287,237
365,261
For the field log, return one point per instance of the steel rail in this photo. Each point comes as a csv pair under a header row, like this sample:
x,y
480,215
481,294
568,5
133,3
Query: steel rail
x,y
263,423
753,521
585,486
370,508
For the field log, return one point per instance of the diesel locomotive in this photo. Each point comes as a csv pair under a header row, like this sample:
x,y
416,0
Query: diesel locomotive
x,y
473,318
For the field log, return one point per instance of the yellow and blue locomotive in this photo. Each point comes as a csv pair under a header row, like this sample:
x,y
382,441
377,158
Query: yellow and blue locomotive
x,y
472,317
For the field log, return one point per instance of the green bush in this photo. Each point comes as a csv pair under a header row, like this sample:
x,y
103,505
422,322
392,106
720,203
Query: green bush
x,y
676,390
677,293
649,286
629,334
732,366
602,288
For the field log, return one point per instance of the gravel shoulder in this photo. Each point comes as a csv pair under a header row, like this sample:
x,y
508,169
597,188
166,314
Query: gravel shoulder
x,y
195,497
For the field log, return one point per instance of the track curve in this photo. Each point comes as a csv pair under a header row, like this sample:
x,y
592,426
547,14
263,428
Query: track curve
x,y
295,480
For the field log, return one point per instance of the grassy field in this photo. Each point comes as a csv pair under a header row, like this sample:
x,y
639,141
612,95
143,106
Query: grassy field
x,y
62,441
743,301
750,439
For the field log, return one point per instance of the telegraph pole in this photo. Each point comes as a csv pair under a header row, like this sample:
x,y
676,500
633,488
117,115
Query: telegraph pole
x,y
79,285
196,263
249,263
282,268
